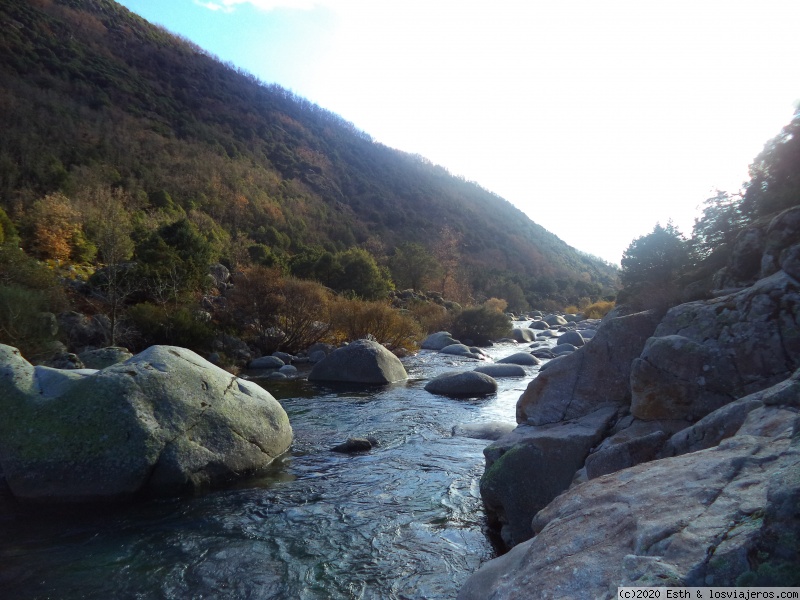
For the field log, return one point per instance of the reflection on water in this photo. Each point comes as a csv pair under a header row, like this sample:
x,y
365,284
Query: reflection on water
x,y
402,521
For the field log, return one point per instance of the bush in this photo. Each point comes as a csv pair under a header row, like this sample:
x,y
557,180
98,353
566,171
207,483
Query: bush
x,y
181,326
598,310
22,319
354,319
432,317
481,325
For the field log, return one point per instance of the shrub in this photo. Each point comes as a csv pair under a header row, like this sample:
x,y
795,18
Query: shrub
x,y
22,319
496,304
181,326
481,325
354,319
598,310
432,317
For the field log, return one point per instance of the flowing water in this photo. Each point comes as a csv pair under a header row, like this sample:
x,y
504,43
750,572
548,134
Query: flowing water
x,y
400,522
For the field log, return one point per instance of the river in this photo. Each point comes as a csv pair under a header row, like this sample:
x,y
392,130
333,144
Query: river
x,y
404,521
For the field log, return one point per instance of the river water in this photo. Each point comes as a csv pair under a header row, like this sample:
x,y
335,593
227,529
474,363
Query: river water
x,y
404,521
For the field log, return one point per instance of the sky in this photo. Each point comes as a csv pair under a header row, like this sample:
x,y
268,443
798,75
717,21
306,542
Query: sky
x,y
597,118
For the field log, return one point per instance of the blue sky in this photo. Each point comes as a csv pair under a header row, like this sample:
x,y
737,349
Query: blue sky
x,y
596,118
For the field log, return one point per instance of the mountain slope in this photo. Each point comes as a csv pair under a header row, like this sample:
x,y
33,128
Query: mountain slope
x,y
92,93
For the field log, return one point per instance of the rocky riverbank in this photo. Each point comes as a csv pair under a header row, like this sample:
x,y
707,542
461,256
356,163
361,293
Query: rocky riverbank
x,y
666,451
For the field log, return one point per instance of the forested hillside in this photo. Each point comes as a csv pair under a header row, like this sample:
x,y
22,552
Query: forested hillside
x,y
93,95
131,161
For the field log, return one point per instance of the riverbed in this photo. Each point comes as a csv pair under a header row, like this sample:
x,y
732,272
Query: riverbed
x,y
403,521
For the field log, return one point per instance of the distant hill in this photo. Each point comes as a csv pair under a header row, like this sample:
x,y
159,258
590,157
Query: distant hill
x,y
92,94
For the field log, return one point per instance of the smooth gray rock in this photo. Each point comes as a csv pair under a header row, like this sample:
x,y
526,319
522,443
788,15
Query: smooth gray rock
x,y
104,357
363,361
462,350
164,422
520,358
462,384
501,370
572,337
437,341
523,334
266,362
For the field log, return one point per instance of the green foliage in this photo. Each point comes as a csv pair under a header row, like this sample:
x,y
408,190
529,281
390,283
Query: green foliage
x,y
355,271
775,174
717,229
8,232
412,264
22,322
651,265
481,325
174,326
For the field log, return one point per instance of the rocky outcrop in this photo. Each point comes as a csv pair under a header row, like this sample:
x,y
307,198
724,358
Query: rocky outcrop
x,y
163,422
707,353
693,479
530,466
596,375
711,517
362,361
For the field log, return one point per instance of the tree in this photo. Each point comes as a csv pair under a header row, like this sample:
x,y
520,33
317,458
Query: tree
x,y
651,264
109,225
721,222
446,252
412,264
775,174
361,275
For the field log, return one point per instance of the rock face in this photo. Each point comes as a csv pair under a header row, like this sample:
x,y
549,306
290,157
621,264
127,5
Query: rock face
x,y
743,342
598,374
700,519
163,422
530,466
695,479
363,361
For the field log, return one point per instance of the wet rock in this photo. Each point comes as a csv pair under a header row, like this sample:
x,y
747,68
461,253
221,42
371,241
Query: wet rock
x,y
363,361
501,370
492,430
520,358
354,445
462,384
266,362
437,341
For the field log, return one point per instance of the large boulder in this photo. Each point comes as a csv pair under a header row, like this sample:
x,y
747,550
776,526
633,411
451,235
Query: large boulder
x,y
362,361
596,375
710,352
104,357
530,466
719,516
462,384
164,422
